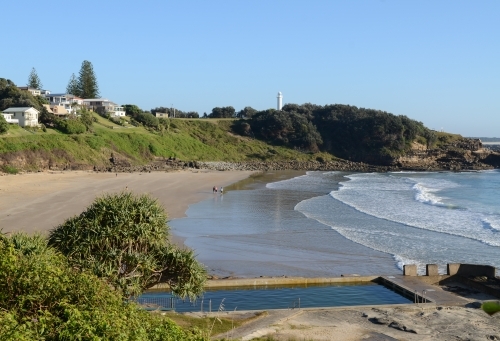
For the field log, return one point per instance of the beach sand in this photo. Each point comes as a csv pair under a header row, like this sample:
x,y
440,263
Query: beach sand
x,y
38,202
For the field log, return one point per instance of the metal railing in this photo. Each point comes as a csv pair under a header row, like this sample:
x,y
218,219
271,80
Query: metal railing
x,y
157,303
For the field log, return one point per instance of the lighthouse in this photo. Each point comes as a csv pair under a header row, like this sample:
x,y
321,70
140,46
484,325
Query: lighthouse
x,y
280,100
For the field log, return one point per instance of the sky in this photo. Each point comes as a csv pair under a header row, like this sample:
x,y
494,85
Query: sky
x,y
437,61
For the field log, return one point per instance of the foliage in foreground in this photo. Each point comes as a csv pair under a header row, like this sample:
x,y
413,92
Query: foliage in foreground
x,y
42,298
491,307
123,238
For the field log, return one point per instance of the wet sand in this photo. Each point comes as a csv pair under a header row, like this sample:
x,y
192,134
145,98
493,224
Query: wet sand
x,y
39,202
255,231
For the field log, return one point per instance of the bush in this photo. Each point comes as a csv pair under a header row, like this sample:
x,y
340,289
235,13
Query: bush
x,y
123,239
147,119
4,126
42,298
71,127
9,169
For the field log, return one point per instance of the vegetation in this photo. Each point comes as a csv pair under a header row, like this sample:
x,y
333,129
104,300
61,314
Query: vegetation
x,y
491,307
175,113
86,85
123,239
34,80
345,131
72,87
217,324
11,96
224,112
43,298
4,126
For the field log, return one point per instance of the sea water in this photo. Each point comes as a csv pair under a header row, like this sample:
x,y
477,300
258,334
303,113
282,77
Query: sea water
x,y
328,223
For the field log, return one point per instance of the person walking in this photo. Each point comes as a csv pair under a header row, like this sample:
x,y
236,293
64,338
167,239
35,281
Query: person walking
x,y
221,190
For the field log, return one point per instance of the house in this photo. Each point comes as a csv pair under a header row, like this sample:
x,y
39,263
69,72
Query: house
x,y
162,114
9,119
68,101
59,110
26,116
103,105
33,91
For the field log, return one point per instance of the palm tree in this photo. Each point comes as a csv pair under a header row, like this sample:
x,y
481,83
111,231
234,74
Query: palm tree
x,y
123,238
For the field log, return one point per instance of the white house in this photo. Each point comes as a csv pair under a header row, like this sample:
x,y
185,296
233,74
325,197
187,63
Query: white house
x,y
9,119
103,105
162,114
26,116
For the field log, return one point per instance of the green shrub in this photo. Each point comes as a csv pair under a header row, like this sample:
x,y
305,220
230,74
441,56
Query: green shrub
x,y
4,126
9,169
42,298
123,238
71,127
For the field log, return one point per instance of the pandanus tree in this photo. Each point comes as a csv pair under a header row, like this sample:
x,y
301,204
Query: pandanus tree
x,y
123,238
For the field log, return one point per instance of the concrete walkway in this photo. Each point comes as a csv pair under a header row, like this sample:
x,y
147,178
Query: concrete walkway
x,y
432,293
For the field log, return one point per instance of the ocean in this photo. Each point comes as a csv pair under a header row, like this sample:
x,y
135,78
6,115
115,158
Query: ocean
x,y
333,223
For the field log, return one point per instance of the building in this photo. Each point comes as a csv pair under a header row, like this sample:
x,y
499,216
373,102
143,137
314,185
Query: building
x,y
162,114
103,105
26,116
33,91
67,101
280,101
9,119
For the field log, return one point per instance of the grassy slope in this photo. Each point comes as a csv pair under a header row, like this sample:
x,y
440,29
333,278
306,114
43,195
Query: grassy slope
x,y
204,140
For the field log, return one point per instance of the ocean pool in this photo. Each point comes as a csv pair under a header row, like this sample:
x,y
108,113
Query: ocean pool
x,y
278,297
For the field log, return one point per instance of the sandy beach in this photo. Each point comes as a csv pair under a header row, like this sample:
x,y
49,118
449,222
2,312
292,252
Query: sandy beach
x,y
37,202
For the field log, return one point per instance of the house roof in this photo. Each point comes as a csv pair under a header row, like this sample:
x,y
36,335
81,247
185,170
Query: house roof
x,y
47,106
59,110
22,109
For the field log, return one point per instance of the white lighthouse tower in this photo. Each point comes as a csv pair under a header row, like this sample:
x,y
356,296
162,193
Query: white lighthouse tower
x,y
280,100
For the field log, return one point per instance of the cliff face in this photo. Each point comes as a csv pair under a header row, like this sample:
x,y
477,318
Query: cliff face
x,y
462,154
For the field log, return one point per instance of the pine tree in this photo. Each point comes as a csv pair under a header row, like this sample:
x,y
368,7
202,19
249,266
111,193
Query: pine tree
x,y
34,80
73,87
87,82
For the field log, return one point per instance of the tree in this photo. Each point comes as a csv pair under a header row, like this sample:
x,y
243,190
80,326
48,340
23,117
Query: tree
x,y
224,112
34,80
73,87
43,298
247,112
132,110
122,238
87,81
12,96
147,119
4,126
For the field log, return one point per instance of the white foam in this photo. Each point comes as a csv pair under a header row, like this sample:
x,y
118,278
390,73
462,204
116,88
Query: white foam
x,y
392,198
426,195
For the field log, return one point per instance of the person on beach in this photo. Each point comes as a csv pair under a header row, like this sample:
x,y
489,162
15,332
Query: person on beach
x,y
213,189
221,190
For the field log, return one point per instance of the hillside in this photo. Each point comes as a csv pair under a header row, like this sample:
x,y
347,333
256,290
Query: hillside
x,y
335,137
188,140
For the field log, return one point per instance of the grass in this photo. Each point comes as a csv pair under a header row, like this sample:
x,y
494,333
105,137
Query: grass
x,y
9,169
221,325
184,139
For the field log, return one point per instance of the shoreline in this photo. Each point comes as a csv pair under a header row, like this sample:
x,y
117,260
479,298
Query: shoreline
x,y
38,202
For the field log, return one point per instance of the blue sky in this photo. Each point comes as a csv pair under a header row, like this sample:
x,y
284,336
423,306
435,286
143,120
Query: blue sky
x,y
435,61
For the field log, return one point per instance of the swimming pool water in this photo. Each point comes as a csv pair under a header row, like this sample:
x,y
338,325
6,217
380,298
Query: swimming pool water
x,y
283,297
